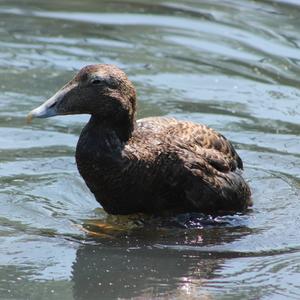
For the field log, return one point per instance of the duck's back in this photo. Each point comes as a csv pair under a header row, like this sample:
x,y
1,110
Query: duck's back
x,y
196,139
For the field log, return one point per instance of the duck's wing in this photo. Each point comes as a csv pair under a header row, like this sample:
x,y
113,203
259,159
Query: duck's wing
x,y
197,139
181,161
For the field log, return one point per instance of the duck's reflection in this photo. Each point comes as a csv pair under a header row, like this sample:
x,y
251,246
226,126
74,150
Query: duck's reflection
x,y
149,263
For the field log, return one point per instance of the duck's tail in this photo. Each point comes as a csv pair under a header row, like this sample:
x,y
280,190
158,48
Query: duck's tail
x,y
225,192
235,193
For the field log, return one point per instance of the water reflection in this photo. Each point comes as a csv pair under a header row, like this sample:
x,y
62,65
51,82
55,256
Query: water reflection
x,y
148,261
108,273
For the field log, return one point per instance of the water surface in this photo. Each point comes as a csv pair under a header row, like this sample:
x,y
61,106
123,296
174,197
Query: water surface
x,y
233,65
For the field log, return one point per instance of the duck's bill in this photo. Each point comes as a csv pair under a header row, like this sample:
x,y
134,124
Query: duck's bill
x,y
48,108
45,110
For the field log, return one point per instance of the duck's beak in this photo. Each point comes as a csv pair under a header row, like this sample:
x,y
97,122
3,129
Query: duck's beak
x,y
50,107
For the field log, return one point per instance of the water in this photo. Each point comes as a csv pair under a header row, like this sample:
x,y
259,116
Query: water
x,y
234,65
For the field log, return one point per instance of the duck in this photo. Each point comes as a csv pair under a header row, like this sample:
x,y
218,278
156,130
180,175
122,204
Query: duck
x,y
151,165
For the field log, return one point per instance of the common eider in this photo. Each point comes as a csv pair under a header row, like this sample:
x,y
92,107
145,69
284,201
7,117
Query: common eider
x,y
151,165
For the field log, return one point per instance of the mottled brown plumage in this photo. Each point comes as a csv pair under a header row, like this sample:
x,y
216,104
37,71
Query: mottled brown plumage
x,y
151,165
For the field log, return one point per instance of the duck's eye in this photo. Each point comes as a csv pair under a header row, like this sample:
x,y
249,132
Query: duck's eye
x,y
96,81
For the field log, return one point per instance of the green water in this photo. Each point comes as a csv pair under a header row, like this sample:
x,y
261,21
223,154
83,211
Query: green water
x,y
233,65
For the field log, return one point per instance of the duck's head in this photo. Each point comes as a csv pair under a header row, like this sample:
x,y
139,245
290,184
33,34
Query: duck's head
x,y
100,90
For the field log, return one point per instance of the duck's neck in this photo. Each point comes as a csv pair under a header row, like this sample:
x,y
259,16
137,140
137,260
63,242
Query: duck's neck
x,y
122,129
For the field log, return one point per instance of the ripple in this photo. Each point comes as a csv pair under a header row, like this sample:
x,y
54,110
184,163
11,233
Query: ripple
x,y
274,275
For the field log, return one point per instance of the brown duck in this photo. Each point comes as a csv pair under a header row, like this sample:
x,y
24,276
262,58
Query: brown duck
x,y
151,165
